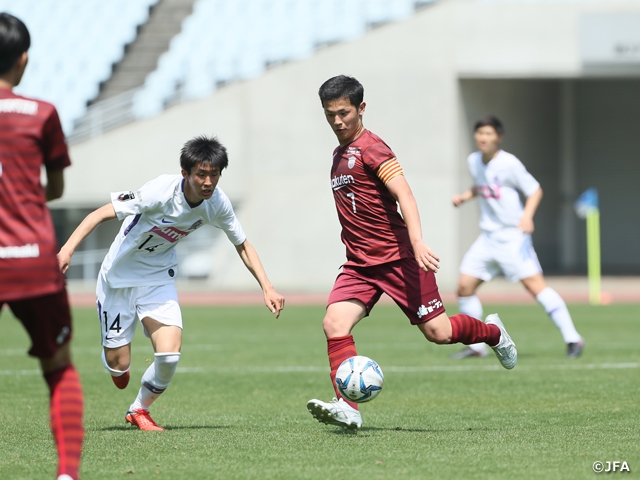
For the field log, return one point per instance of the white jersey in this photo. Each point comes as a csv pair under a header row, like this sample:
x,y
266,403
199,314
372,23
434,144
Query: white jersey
x,y
498,184
156,217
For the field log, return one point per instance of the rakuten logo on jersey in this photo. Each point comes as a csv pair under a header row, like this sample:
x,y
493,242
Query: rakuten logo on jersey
x,y
340,181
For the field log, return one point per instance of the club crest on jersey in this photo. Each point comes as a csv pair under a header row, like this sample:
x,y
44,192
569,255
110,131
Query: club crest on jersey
x,y
124,197
351,162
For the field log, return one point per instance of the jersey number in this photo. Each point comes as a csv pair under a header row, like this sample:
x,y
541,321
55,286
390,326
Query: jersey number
x,y
150,248
352,196
115,325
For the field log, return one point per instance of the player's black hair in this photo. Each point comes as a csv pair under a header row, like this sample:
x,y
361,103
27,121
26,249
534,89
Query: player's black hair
x,y
203,149
14,41
490,121
342,87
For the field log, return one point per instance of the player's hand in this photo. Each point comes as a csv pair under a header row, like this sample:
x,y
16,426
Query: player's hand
x,y
64,260
457,200
426,258
274,301
526,225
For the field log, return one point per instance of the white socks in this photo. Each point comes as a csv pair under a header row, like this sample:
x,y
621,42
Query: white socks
x,y
473,307
114,373
156,379
555,307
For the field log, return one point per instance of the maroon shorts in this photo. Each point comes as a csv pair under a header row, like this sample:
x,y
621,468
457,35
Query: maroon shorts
x,y
414,290
47,320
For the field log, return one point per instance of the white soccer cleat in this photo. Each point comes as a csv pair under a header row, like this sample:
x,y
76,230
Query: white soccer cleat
x,y
505,349
337,412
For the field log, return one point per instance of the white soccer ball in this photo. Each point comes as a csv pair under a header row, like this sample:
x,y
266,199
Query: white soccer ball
x,y
359,379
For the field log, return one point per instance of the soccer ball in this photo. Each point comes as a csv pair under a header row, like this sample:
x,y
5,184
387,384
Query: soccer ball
x,y
359,379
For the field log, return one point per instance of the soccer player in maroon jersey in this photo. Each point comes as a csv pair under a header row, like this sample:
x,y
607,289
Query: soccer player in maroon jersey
x,y
385,250
30,281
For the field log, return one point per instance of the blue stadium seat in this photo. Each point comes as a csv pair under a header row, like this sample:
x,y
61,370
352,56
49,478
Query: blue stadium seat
x,y
74,44
236,40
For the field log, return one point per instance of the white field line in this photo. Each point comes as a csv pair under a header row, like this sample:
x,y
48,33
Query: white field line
x,y
406,369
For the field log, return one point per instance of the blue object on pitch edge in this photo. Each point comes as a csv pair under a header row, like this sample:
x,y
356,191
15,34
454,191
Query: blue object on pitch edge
x,y
587,201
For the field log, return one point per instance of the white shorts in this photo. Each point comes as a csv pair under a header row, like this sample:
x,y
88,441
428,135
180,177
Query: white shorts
x,y
118,307
507,252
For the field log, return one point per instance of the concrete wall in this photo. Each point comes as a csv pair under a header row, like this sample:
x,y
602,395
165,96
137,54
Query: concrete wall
x,y
280,146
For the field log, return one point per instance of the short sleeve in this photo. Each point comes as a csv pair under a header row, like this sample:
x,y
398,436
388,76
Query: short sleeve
x,y
523,180
54,146
227,221
376,154
148,197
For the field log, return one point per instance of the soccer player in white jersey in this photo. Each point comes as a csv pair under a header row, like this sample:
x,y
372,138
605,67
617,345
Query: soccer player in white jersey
x,y
137,277
504,246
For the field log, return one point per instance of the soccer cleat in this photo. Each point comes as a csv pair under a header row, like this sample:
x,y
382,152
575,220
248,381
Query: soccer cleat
x,y
337,412
469,352
574,350
122,381
140,418
505,349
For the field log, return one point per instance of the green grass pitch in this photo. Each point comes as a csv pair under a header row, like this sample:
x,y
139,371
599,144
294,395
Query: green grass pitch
x,y
236,407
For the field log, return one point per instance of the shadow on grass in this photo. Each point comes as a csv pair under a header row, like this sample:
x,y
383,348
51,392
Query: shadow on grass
x,y
121,428
342,431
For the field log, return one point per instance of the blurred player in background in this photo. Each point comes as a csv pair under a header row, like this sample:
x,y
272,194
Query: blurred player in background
x,y
505,246
137,277
30,282
385,250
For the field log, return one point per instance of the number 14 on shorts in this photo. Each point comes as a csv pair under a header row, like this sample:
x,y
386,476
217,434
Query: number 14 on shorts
x,y
111,326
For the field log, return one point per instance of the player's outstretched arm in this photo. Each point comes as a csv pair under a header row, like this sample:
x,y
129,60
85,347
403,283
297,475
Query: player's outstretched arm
x,y
401,191
272,299
83,230
463,197
530,206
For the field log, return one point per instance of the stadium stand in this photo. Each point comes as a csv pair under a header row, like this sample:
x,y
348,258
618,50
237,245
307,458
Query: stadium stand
x,y
74,45
225,41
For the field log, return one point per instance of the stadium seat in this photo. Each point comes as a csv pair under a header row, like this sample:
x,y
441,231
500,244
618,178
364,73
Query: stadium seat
x,y
236,40
74,45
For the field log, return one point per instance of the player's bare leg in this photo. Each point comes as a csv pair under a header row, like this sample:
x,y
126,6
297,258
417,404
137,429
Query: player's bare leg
x,y
117,362
338,322
469,304
166,341
437,330
557,310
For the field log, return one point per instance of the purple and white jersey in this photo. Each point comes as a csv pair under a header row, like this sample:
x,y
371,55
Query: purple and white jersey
x,y
498,184
156,217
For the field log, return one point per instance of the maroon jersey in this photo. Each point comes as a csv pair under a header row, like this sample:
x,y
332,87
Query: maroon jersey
x,y
372,229
30,137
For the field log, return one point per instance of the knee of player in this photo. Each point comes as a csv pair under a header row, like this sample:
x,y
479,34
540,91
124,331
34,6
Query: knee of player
x,y
116,360
165,365
437,335
334,326
464,291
